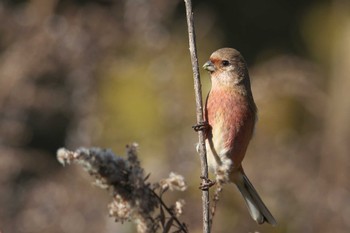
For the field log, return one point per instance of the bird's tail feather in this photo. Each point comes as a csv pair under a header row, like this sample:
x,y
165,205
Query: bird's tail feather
x,y
256,206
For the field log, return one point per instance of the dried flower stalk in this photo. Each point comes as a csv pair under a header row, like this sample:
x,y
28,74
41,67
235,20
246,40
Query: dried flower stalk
x,y
134,199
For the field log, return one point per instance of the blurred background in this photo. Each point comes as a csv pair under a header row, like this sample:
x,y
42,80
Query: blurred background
x,y
109,72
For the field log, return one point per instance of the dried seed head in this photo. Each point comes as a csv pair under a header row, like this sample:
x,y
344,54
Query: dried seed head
x,y
173,182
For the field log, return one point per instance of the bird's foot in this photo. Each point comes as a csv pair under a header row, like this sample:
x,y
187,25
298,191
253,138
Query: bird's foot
x,y
201,126
206,184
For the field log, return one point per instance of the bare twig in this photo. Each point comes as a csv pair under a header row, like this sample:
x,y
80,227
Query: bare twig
x,y
181,226
199,113
216,198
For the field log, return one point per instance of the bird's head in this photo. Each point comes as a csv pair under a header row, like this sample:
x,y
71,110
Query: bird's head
x,y
227,66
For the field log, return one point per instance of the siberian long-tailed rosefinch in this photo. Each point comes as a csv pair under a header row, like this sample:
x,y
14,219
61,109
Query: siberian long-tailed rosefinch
x,y
231,113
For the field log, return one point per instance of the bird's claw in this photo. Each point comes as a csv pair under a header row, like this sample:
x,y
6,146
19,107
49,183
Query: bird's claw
x,y
201,126
206,184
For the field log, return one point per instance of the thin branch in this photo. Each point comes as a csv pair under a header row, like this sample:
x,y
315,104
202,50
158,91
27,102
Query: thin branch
x,y
216,198
182,226
199,113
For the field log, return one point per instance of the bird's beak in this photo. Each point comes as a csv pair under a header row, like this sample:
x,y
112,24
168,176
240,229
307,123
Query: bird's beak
x,y
209,66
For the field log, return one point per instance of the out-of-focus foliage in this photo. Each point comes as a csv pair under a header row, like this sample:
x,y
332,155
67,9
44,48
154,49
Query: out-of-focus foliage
x,y
106,73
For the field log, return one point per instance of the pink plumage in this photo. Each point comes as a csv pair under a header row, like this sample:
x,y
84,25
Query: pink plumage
x,y
232,121
231,113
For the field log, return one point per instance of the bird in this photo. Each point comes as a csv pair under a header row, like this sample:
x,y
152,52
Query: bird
x,y
230,114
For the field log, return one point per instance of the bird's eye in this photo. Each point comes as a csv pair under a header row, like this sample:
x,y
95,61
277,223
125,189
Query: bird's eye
x,y
225,63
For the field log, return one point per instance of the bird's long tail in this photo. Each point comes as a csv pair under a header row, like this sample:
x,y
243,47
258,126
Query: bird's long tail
x,y
256,206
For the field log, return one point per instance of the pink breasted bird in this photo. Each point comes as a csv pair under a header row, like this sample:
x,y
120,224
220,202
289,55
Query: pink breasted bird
x,y
231,114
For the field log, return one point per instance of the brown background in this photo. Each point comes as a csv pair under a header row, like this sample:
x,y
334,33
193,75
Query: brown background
x,y
107,73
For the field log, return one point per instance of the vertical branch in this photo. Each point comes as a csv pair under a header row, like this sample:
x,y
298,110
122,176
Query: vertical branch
x,y
199,113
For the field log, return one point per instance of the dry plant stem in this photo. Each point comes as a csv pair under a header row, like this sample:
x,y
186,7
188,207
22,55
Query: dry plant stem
x,y
199,113
133,197
216,198
182,226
